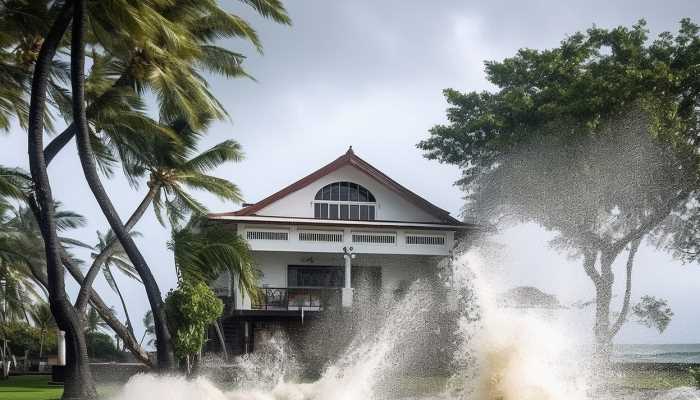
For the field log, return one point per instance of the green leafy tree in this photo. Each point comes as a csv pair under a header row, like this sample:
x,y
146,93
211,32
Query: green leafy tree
x,y
149,328
43,320
192,308
595,140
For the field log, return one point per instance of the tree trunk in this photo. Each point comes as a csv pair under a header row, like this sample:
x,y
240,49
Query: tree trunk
x,y
41,344
129,325
97,303
220,336
83,295
622,318
166,359
61,140
109,317
79,383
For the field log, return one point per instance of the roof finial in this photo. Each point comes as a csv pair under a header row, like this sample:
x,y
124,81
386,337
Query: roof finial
x,y
350,150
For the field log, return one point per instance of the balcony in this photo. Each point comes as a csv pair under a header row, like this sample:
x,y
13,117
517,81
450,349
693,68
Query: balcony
x,y
294,299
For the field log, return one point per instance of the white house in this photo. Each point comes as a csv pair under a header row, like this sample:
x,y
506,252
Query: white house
x,y
344,225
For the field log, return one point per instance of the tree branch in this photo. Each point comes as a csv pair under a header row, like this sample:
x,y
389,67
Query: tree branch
x,y
650,223
622,318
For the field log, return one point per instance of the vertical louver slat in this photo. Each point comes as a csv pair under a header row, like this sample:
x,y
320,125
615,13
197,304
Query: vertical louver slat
x,y
267,235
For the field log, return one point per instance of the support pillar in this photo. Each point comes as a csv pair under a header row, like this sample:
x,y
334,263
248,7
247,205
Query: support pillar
x,y
347,290
61,348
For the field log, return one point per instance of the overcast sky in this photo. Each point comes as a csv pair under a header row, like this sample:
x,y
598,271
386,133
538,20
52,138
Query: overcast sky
x,y
370,74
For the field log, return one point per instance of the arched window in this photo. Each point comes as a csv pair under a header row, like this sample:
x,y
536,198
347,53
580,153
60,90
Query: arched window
x,y
345,200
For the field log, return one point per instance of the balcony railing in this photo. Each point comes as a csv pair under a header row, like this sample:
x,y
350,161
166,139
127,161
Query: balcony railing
x,y
310,299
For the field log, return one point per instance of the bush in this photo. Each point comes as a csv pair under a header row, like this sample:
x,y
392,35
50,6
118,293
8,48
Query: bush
x,y
191,308
695,373
101,347
22,337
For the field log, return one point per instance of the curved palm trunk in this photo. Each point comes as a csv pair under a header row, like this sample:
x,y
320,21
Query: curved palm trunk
x,y
79,383
96,301
83,295
166,359
129,325
108,316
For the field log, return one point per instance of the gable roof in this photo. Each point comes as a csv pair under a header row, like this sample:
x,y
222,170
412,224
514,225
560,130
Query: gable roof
x,y
349,158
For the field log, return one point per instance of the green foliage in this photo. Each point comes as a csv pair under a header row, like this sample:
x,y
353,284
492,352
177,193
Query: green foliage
x,y
191,308
203,251
589,78
695,373
101,347
22,336
595,139
653,313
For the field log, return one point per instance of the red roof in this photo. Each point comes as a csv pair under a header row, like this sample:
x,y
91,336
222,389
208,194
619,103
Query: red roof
x,y
349,158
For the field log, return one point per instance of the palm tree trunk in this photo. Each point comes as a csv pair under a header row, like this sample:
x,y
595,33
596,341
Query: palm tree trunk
x,y
79,383
108,316
99,305
222,340
41,344
129,325
83,296
166,359
62,139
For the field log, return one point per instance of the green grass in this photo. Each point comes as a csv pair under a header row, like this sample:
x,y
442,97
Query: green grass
x,y
36,387
653,380
29,387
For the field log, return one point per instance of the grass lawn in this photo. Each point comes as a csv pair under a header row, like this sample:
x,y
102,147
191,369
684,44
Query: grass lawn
x,y
29,387
651,380
36,387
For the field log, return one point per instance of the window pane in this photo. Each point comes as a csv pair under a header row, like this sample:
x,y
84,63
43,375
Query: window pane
x,y
363,194
343,191
303,276
354,212
333,211
317,210
371,213
327,193
353,192
370,197
319,195
364,213
324,211
335,189
344,211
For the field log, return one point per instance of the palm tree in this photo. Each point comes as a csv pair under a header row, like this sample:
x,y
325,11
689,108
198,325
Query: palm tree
x,y
93,322
43,319
203,251
165,52
118,260
149,328
172,168
175,102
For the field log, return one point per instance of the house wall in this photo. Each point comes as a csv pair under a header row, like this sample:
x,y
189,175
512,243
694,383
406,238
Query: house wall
x,y
294,244
397,270
390,206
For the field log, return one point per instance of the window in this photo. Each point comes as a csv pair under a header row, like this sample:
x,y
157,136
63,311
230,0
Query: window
x,y
313,276
427,240
345,201
267,235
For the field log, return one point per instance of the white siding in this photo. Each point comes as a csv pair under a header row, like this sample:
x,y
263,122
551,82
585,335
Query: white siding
x,y
390,206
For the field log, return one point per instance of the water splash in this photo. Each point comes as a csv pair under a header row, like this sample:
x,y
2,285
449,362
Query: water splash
x,y
501,354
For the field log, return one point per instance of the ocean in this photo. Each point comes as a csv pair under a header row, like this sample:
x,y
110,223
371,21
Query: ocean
x,y
657,353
